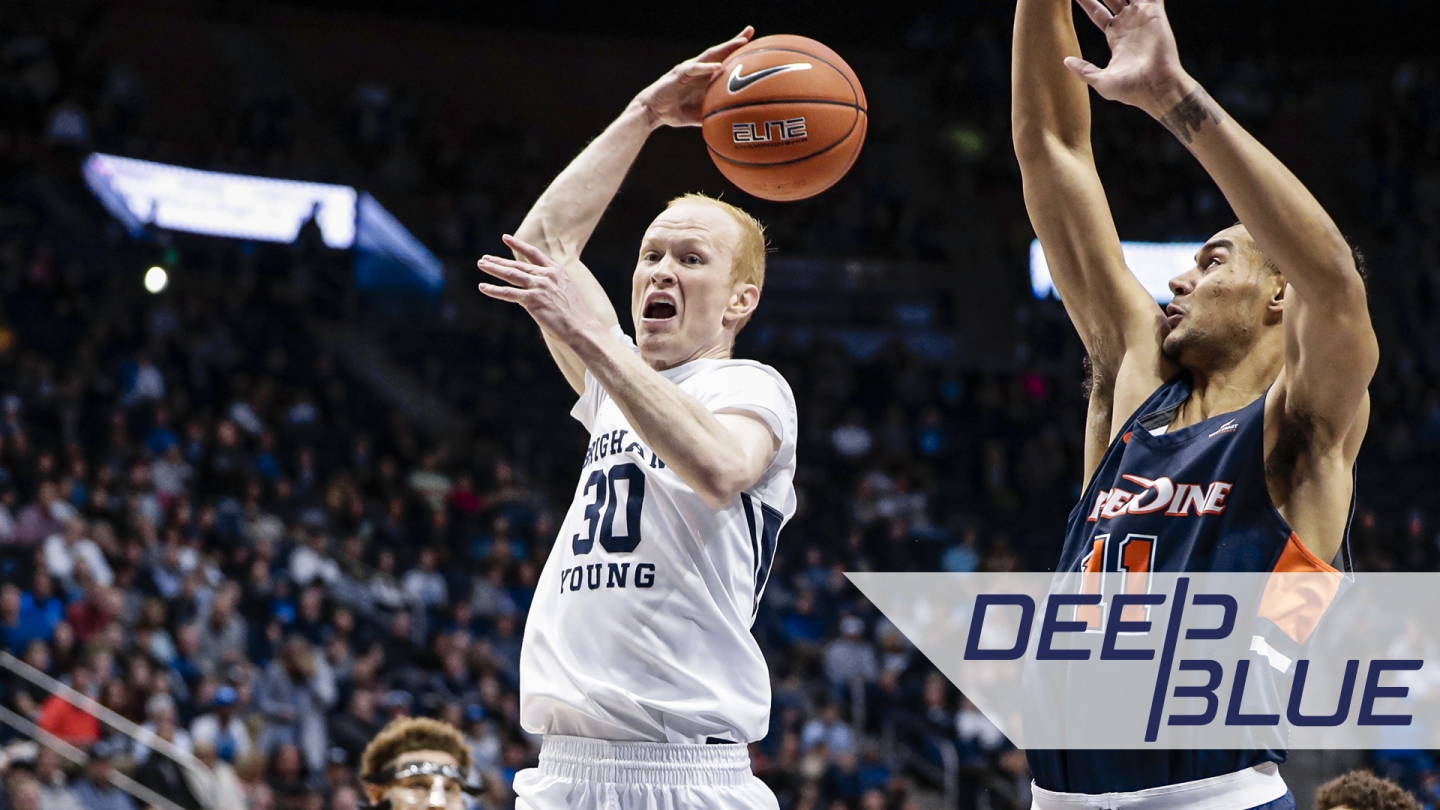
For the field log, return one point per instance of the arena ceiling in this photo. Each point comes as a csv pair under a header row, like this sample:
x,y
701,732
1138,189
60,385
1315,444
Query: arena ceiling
x,y
1317,28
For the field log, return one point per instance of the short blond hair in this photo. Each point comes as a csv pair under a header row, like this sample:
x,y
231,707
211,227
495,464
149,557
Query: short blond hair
x,y
405,734
749,266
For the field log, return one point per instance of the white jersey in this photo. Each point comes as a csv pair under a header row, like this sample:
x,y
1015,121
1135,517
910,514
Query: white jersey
x,y
640,627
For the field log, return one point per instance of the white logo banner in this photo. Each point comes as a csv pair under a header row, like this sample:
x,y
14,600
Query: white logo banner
x,y
1189,661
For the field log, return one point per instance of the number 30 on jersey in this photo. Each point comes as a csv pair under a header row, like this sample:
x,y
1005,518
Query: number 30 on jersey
x,y
600,513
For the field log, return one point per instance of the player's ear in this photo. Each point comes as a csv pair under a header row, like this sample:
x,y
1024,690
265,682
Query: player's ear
x,y
743,300
1276,306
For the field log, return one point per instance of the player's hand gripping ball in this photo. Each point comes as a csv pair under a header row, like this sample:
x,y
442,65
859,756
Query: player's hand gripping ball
x,y
785,118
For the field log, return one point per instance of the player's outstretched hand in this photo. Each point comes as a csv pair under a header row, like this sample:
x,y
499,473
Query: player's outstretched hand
x,y
542,287
674,99
1144,69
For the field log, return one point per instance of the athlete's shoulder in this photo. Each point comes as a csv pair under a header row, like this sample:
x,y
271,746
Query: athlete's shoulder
x,y
733,377
740,371
748,387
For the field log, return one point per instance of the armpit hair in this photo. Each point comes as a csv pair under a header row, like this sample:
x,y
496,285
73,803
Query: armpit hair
x,y
1101,376
1297,434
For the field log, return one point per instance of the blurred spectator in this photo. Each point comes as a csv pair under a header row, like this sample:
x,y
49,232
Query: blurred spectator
x,y
310,562
66,720
851,439
850,656
172,474
95,791
979,739
223,634
17,636
41,609
69,549
221,728
424,583
221,788
163,775
483,739
826,729
142,381
294,694
359,724
963,557
161,721
24,792
45,517
55,790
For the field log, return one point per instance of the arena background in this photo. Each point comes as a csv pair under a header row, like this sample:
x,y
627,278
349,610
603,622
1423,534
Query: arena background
x,y
298,508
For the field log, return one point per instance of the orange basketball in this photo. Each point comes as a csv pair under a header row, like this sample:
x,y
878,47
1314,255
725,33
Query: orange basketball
x,y
785,118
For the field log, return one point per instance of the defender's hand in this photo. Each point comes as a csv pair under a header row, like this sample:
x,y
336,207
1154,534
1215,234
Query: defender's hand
x,y
542,287
1144,69
674,99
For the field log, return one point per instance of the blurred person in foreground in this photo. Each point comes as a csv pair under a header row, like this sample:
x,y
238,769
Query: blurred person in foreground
x,y
1253,381
685,485
1362,790
417,762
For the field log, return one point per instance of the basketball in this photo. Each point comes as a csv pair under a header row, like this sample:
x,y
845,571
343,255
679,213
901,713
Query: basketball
x,y
785,118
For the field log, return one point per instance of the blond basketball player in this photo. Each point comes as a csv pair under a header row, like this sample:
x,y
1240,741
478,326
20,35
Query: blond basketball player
x,y
638,665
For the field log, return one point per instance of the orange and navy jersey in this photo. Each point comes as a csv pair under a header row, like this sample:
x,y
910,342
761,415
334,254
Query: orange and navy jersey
x,y
1193,499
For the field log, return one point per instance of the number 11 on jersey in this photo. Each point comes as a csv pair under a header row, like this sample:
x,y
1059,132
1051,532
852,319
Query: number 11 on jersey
x,y
1133,556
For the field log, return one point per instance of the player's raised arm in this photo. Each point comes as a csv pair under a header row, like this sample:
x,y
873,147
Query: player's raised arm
x,y
1330,346
562,220
1117,319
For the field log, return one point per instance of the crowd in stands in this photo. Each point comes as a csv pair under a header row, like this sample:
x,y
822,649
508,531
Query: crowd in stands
x,y
214,530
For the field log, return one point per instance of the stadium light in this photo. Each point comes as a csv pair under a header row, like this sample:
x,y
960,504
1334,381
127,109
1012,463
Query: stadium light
x,y
142,193
1154,263
238,206
156,279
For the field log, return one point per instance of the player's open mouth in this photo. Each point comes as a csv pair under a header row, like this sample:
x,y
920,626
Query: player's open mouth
x,y
659,307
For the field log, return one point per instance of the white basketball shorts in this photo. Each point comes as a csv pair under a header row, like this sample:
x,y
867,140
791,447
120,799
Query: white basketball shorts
x,y
583,774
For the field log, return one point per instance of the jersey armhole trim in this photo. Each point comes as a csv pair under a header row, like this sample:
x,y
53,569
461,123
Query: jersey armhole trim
x,y
1299,591
1298,558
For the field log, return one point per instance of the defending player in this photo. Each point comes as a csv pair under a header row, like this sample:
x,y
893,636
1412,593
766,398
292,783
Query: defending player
x,y
1250,386
637,650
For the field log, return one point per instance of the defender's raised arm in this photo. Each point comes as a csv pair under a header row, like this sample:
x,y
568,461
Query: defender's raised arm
x,y
562,220
1117,319
1330,348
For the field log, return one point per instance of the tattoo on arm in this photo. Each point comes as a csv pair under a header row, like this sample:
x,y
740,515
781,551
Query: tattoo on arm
x,y
1185,118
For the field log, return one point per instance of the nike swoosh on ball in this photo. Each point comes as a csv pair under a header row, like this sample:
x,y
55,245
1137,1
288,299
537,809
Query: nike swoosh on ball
x,y
738,82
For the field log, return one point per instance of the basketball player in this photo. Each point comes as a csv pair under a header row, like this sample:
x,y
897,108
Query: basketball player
x,y
1250,386
638,665
416,762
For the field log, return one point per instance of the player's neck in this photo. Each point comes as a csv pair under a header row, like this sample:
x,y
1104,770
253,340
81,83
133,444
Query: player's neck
x,y
716,351
1230,387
